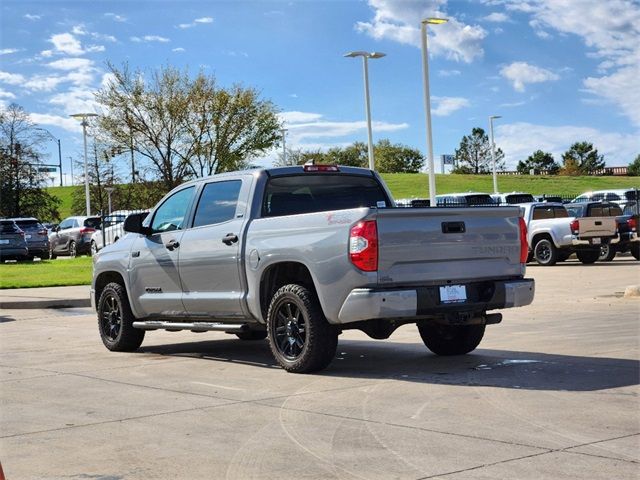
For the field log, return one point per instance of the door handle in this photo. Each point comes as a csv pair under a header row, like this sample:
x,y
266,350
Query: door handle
x,y
172,245
229,239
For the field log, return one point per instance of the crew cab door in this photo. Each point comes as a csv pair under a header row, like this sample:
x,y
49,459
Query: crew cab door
x,y
154,276
210,251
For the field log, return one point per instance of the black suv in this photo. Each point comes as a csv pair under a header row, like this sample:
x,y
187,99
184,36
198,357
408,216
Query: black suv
x,y
36,235
12,243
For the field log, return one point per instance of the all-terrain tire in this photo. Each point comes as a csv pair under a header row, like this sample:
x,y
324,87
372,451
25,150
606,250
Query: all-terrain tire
x,y
252,335
451,339
588,257
115,320
545,252
300,337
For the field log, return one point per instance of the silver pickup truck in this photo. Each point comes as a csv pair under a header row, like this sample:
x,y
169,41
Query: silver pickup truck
x,y
299,254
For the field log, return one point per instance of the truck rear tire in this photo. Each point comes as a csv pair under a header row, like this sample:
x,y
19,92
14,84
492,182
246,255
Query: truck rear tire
x,y
300,338
607,252
635,250
451,339
115,320
588,256
545,252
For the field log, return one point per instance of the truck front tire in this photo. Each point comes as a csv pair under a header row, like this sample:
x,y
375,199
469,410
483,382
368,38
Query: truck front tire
x,y
451,339
300,338
115,320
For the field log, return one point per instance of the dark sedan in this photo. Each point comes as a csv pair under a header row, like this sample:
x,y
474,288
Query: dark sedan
x,y
13,245
73,236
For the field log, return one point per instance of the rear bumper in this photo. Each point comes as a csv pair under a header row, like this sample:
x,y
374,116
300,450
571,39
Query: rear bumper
x,y
368,304
588,242
14,252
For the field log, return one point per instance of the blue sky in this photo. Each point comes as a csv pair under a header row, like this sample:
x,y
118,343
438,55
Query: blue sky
x,y
558,71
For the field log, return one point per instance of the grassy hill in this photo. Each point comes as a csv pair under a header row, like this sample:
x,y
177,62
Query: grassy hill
x,y
410,185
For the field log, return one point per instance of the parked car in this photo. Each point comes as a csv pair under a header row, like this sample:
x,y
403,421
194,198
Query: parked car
x,y
626,216
299,254
512,198
73,236
36,235
464,199
620,195
13,245
553,235
110,231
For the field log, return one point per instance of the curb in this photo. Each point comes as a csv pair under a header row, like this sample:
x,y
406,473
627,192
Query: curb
x,y
46,303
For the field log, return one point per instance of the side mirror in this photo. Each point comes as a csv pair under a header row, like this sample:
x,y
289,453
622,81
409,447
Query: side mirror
x,y
133,223
56,228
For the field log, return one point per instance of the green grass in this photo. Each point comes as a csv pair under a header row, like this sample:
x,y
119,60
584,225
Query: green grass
x,y
409,185
65,194
46,273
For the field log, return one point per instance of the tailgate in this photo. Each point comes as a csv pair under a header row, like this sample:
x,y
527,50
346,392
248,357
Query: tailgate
x,y
436,245
597,227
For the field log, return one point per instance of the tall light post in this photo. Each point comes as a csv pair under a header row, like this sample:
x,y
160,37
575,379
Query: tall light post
x,y
493,153
427,103
50,135
83,117
365,65
283,131
109,191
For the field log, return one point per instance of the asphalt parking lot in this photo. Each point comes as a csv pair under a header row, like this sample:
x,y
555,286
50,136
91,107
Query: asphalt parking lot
x,y
552,392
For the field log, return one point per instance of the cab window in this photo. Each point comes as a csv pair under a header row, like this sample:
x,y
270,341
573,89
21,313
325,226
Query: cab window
x,y
170,215
217,203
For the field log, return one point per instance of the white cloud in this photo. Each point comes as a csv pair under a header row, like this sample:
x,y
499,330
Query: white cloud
x,y
7,51
71,64
399,21
79,99
31,17
497,17
449,73
46,53
519,140
66,123
179,49
67,44
445,106
610,28
521,73
115,17
298,117
79,30
201,20
95,48
11,78
5,94
150,38
43,84
513,104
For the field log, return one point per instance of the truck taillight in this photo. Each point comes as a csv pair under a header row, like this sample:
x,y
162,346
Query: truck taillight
x,y
363,246
85,230
633,224
524,245
575,227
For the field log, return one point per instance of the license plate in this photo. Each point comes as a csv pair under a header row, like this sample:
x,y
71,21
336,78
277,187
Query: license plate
x,y
595,241
4,242
453,294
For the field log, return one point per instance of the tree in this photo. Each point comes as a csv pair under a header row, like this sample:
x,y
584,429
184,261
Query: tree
x,y
539,161
185,127
397,158
634,167
355,155
585,157
474,154
22,180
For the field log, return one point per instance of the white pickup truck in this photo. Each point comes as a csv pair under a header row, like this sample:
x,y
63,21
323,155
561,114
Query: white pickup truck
x,y
553,235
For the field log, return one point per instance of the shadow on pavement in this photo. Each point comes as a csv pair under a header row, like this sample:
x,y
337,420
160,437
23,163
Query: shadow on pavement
x,y
414,363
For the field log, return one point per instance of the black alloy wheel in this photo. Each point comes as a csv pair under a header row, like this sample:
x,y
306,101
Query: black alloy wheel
x,y
111,317
291,331
545,252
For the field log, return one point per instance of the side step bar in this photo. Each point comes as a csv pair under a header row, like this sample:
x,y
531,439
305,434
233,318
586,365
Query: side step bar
x,y
193,326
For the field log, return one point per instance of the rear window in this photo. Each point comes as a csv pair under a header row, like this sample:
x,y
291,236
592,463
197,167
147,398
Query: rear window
x,y
309,193
605,211
544,213
519,198
92,222
465,200
9,227
29,225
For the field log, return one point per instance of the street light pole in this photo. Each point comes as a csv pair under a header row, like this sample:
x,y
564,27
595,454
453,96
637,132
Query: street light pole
x,y
427,104
109,191
365,66
284,148
493,153
83,117
59,150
